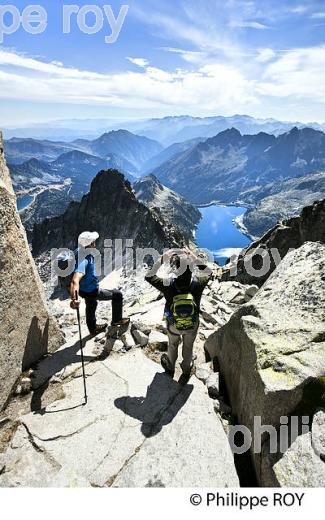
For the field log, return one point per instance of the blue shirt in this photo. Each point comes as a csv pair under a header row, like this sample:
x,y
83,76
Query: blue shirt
x,y
89,282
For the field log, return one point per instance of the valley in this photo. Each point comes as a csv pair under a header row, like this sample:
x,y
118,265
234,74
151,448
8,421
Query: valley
x,y
274,175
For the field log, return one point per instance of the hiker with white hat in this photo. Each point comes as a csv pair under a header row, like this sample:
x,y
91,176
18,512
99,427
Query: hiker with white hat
x,y
85,283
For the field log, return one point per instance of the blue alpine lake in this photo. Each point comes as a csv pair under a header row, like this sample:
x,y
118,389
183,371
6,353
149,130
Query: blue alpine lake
x,y
218,233
24,201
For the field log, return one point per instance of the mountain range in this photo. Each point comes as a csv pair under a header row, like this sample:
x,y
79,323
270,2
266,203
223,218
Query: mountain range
x,y
170,130
79,168
166,130
169,153
132,149
256,171
230,167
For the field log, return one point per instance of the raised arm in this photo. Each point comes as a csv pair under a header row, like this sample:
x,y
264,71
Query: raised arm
x,y
204,277
151,275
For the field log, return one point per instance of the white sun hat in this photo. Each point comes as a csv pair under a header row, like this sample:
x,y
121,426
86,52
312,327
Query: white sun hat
x,y
87,237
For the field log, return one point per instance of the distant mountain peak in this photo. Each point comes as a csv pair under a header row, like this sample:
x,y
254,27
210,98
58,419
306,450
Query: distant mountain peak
x,y
121,131
232,132
228,136
111,208
174,208
226,166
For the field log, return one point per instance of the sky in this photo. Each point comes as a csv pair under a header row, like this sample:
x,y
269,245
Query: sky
x,y
265,58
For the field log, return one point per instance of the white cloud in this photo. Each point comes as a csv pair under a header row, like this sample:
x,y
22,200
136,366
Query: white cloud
x,y
318,16
140,62
300,9
196,25
195,57
265,55
205,84
246,24
22,61
227,252
299,73
212,87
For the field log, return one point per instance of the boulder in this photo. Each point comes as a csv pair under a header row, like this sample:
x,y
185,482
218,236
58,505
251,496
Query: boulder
x,y
114,344
256,263
239,299
158,341
318,434
27,331
140,338
203,372
142,327
128,340
250,292
211,318
213,385
300,466
272,351
224,308
228,291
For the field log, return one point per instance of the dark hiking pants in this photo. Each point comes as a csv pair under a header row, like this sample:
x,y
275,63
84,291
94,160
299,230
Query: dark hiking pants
x,y
92,299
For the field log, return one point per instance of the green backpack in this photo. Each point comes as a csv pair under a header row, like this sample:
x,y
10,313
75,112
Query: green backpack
x,y
184,312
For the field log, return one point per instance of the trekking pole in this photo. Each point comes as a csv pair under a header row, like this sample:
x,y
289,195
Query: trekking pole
x,y
82,352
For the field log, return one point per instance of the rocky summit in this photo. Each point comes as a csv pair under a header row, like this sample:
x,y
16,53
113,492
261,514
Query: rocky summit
x,y
140,428
130,435
112,209
259,356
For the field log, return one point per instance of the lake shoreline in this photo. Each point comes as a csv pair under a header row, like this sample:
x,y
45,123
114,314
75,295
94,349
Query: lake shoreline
x,y
220,230
238,203
238,221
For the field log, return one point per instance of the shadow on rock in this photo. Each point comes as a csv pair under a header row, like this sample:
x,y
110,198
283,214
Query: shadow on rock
x,y
36,342
54,364
164,399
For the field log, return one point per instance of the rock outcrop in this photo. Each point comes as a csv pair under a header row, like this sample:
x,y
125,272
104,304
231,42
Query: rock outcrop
x,y
112,209
139,429
26,329
258,261
272,353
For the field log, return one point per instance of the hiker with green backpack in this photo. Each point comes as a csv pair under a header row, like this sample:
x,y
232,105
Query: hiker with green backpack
x,y
183,297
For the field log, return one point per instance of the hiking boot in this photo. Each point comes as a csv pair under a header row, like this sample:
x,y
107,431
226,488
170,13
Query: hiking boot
x,y
122,323
184,379
98,330
207,356
186,376
167,366
118,328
